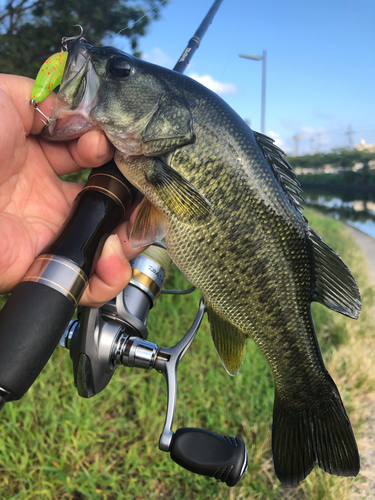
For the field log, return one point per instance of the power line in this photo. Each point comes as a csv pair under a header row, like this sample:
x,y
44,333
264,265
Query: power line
x,y
320,138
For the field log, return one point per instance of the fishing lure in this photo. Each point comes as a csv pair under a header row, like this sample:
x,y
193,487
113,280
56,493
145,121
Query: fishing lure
x,y
50,74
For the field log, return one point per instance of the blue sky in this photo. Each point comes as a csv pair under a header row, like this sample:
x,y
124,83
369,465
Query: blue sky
x,y
320,63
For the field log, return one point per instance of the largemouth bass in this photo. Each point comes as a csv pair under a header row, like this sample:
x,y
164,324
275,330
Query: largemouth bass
x,y
228,205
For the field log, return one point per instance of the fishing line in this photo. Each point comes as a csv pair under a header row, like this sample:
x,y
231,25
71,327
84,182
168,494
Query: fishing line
x,y
140,19
245,12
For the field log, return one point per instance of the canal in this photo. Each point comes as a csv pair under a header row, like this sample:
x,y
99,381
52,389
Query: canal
x,y
354,207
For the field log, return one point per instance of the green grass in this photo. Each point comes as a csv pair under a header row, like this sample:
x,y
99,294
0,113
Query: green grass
x,y
3,299
56,445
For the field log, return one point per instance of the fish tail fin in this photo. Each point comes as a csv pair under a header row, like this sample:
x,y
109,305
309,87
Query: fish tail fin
x,y
320,434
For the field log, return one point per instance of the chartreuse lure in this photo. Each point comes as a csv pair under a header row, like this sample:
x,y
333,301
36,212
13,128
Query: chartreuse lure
x,y
50,74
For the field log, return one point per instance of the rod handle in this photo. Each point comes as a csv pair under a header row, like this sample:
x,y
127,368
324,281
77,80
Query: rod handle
x,y
31,323
41,306
210,454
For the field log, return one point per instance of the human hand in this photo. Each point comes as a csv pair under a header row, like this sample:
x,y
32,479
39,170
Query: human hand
x,y
34,201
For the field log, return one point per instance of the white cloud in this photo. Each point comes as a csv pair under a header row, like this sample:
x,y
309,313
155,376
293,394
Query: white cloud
x,y
158,57
313,139
307,131
276,137
218,87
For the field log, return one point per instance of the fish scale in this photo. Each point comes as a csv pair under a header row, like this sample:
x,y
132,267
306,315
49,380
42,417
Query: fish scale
x,y
233,305
229,207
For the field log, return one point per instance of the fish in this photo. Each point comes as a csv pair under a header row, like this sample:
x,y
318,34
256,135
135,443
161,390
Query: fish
x,y
229,207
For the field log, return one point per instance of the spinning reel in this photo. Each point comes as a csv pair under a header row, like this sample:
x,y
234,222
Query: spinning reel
x,y
116,334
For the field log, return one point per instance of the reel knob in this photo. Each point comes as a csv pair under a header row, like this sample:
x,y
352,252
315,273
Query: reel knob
x,y
210,454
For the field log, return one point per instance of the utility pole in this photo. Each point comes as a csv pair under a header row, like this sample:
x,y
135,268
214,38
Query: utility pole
x,y
349,133
318,137
298,138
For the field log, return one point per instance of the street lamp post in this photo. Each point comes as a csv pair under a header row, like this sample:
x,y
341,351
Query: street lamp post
x,y
262,58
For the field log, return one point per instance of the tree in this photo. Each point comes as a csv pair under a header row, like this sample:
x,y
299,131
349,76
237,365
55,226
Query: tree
x,y
342,157
31,30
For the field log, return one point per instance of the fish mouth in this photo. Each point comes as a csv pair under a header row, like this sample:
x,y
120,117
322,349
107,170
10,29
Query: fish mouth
x,y
76,98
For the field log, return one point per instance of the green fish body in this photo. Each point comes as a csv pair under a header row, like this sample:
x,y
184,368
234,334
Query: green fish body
x,y
228,205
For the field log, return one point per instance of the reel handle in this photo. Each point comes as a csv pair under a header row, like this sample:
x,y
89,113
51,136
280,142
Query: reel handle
x,y
38,311
210,454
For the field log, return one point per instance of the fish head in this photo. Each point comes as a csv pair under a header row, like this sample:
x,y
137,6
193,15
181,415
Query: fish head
x,y
129,99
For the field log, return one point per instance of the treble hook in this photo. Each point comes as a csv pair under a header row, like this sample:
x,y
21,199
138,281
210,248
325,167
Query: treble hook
x,y
47,120
67,39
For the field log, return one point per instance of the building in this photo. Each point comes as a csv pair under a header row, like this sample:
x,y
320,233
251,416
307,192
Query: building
x,y
362,146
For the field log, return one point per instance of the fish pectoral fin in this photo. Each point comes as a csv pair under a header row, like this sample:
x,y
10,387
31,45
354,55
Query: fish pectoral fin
x,y
149,225
177,193
230,343
334,285
171,126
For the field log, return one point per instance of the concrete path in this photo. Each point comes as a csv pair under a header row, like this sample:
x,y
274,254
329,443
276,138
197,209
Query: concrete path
x,y
368,247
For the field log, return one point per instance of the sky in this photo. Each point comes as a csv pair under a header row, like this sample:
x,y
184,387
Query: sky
x,y
320,81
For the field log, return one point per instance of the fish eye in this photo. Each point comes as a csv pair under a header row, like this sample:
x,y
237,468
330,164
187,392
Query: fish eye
x,y
120,67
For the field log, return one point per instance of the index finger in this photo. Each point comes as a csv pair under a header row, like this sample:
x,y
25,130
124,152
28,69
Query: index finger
x,y
19,89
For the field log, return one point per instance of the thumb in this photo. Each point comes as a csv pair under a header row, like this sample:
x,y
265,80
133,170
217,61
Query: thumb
x,y
112,274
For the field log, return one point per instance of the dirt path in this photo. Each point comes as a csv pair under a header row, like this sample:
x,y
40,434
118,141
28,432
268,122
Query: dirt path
x,y
366,445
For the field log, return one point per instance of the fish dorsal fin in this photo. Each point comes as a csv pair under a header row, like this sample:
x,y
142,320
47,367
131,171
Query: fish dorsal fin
x,y
230,343
334,285
281,169
149,225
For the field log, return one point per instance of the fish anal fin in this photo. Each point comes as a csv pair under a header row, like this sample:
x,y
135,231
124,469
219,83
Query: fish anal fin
x,y
149,225
230,343
170,127
334,285
317,435
177,193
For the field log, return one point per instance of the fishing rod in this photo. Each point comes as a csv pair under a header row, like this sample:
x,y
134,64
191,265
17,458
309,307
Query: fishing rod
x,y
196,39
38,314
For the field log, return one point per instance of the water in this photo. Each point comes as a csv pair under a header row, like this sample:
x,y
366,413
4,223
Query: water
x,y
356,208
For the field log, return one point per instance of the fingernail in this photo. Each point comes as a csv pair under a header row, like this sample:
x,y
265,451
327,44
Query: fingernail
x,y
103,147
113,244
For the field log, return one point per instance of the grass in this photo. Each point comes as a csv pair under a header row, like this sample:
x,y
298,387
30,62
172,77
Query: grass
x,y
56,445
